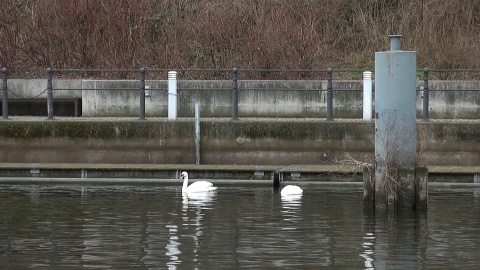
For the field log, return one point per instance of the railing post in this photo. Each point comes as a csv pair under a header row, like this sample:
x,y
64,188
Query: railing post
x,y
49,93
329,95
5,94
142,94
425,94
235,94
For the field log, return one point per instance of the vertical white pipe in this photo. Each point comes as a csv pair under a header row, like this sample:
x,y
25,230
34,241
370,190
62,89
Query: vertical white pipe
x,y
197,133
172,95
367,95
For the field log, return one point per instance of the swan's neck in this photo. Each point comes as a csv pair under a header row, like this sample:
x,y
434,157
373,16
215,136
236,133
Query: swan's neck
x,y
185,183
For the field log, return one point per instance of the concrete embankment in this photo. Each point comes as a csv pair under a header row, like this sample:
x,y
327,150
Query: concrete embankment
x,y
254,148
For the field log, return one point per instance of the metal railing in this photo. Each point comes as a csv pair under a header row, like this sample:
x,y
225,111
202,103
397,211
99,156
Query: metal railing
x,y
441,74
327,74
5,93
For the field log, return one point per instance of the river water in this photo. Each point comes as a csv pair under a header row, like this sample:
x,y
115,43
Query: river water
x,y
237,227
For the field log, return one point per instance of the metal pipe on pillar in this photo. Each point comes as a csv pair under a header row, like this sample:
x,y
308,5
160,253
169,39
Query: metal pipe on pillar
x,y
172,95
197,133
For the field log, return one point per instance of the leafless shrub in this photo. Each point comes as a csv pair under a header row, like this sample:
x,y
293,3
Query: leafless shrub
x,y
348,160
267,34
395,151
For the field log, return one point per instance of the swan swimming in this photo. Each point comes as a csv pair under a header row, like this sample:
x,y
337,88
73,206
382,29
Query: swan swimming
x,y
291,190
199,186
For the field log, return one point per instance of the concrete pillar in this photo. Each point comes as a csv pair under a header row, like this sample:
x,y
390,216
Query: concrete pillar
x,y
395,127
368,187
421,179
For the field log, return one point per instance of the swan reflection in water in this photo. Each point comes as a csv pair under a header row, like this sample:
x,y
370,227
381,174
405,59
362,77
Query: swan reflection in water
x,y
173,245
291,206
204,199
193,202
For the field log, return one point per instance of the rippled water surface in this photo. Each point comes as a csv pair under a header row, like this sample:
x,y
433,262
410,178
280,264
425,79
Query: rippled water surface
x,y
239,226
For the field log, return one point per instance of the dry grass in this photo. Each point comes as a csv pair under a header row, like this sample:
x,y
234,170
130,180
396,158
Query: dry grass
x,y
261,34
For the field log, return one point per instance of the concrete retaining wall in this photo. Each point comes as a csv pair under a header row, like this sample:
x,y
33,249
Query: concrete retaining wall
x,y
223,141
289,99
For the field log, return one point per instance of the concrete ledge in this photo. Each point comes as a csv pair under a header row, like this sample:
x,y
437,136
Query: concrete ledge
x,y
173,182
454,174
169,173
454,169
172,171
119,181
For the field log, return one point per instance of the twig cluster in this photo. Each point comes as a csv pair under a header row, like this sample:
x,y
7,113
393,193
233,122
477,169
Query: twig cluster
x,y
266,34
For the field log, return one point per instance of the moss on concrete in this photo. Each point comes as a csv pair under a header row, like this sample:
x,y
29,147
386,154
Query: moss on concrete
x,y
242,141
22,130
289,130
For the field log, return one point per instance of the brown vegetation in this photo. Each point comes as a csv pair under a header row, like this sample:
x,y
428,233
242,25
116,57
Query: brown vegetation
x,y
260,34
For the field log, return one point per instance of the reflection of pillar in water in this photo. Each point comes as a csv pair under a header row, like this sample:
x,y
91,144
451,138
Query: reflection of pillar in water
x,y
84,195
143,239
397,238
368,243
198,231
35,195
172,246
196,203
476,192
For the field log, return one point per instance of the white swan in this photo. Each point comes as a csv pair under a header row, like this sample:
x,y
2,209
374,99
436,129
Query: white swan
x,y
291,190
199,186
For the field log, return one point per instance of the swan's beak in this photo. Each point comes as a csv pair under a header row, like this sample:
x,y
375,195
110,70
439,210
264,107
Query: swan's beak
x,y
181,177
